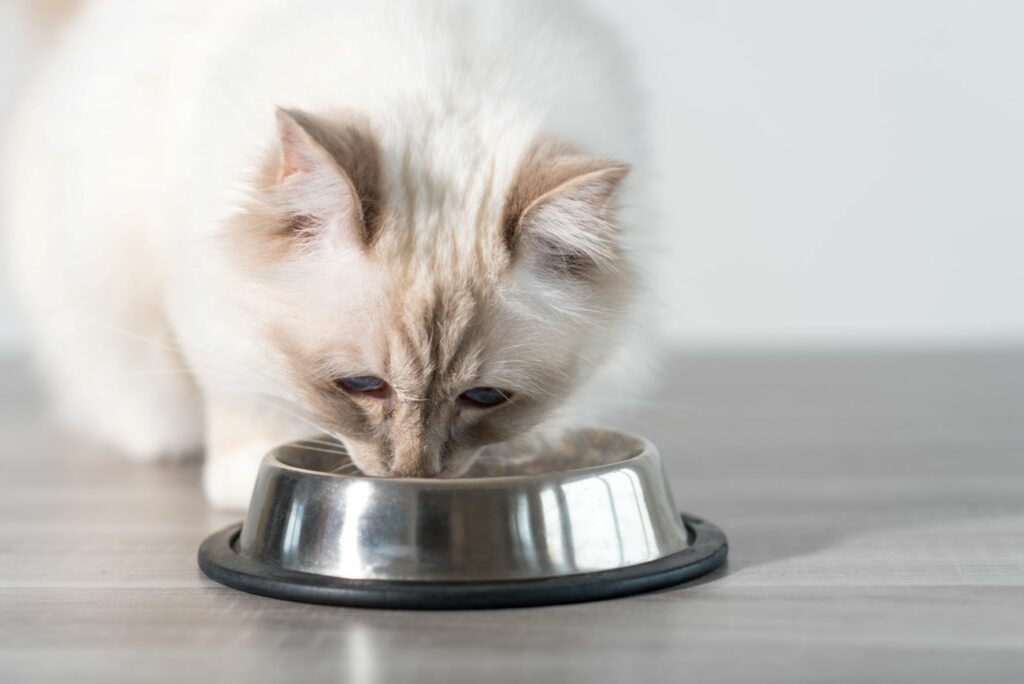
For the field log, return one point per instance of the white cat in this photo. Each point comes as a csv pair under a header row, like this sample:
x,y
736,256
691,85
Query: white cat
x,y
237,222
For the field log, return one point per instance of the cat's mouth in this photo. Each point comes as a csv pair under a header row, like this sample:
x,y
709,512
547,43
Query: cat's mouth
x,y
445,465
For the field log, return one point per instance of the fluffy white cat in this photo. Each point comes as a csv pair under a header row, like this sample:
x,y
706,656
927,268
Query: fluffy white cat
x,y
238,222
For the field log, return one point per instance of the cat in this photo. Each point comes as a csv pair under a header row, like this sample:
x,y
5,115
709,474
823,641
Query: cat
x,y
402,223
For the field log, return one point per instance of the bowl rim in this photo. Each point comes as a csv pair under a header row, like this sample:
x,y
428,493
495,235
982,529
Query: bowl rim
x,y
220,561
646,448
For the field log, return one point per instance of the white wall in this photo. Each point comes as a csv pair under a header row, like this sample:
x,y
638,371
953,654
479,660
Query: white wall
x,y
838,171
829,172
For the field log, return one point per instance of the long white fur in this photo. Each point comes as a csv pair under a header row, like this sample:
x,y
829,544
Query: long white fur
x,y
141,130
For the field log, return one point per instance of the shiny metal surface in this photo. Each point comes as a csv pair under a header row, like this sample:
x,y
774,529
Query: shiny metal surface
x,y
592,501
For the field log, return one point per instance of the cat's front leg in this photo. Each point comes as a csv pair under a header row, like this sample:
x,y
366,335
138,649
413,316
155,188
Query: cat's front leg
x,y
240,433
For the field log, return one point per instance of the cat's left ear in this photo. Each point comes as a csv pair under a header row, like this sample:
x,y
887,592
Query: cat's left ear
x,y
326,178
559,214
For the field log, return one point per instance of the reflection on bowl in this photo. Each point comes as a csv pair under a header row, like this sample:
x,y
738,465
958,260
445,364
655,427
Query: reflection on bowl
x,y
591,506
592,501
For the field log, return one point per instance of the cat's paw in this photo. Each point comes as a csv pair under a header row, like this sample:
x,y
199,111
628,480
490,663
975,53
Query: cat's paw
x,y
229,476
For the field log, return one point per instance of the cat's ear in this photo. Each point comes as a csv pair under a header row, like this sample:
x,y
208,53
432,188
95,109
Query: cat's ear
x,y
325,178
559,214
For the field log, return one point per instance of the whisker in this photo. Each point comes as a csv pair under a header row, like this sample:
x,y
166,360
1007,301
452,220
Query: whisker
x,y
321,443
311,447
325,451
178,350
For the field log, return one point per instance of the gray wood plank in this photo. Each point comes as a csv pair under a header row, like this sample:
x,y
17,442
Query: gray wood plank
x,y
874,503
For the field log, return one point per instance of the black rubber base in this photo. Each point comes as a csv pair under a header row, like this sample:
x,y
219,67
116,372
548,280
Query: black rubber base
x,y
219,560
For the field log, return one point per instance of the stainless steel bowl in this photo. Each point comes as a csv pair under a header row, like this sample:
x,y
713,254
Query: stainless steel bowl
x,y
587,516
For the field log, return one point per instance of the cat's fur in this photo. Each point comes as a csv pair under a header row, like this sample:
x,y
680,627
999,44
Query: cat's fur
x,y
219,208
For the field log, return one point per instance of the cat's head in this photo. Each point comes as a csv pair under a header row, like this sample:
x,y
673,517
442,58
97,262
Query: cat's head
x,y
422,310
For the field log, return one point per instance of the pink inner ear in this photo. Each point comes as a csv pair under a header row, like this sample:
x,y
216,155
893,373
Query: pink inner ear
x,y
286,169
292,160
299,151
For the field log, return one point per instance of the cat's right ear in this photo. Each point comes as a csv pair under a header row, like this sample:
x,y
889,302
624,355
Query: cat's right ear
x,y
559,213
317,179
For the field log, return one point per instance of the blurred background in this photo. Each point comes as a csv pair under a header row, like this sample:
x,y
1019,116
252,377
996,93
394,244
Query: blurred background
x,y
829,174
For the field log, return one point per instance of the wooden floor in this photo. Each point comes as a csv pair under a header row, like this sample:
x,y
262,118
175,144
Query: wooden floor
x,y
874,504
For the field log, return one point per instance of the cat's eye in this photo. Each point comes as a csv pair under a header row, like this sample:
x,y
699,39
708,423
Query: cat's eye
x,y
363,384
485,397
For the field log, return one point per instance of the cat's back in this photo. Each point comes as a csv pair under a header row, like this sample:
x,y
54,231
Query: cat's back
x,y
148,116
159,109
489,69
77,189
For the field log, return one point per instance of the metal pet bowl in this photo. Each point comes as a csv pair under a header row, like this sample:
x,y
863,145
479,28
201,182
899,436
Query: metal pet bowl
x,y
586,517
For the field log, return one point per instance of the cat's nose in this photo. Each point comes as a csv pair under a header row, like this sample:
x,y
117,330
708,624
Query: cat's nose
x,y
415,459
422,467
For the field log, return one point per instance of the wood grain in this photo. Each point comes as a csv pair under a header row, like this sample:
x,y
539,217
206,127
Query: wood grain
x,y
874,504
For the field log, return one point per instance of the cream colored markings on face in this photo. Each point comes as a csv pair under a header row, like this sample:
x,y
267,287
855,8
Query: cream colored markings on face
x,y
261,236
328,405
430,360
440,316
490,254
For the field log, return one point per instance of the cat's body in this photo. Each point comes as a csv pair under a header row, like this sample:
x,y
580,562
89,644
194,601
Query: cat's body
x,y
198,269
